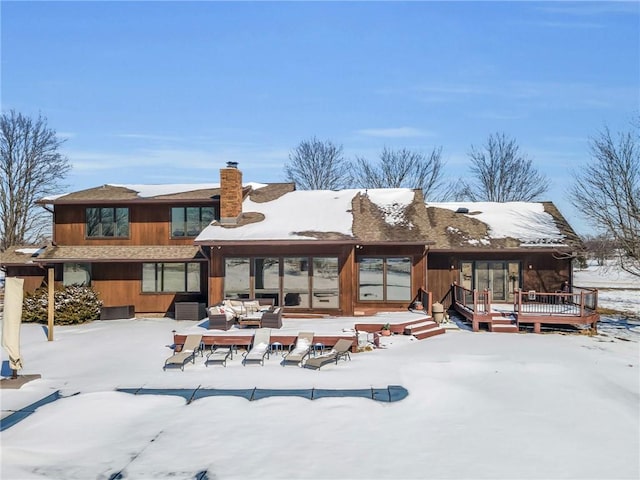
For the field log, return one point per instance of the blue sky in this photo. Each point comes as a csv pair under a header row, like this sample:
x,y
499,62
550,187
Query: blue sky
x,y
167,92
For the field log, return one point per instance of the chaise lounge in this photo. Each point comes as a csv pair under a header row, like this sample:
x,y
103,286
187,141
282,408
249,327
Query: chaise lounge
x,y
340,350
301,349
188,352
259,348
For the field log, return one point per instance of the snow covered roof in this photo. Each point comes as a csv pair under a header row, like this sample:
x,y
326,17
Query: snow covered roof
x,y
395,216
528,222
310,215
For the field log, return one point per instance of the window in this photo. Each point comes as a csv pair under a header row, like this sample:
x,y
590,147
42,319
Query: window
x,y
107,222
266,273
237,281
293,282
171,277
76,274
190,221
384,279
326,283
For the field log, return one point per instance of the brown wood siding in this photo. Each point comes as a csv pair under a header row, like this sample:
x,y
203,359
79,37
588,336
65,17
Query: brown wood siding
x,y
34,277
148,225
121,284
440,276
546,274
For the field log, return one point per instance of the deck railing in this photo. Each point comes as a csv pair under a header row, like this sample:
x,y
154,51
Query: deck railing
x,y
579,302
421,302
474,300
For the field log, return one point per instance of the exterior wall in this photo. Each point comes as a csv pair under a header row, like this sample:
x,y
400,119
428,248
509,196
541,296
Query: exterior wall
x,y
149,224
216,268
348,271
33,276
121,284
545,275
418,274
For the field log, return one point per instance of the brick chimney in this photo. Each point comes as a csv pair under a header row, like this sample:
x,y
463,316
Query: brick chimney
x,y
230,194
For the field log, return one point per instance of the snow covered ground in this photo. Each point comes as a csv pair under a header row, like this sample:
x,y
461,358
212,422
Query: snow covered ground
x,y
480,405
617,289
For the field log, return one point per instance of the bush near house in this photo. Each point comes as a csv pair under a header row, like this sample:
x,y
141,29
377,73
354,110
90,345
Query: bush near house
x,y
73,304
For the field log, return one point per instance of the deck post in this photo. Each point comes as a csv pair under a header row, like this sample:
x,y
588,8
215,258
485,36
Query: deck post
x,y
536,327
50,303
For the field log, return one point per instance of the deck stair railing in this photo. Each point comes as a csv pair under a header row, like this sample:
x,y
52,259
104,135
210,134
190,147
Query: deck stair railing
x,y
467,298
421,301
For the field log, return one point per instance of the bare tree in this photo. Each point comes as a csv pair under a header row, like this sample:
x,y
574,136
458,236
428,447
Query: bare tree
x,y
318,165
403,168
600,247
502,173
607,191
31,167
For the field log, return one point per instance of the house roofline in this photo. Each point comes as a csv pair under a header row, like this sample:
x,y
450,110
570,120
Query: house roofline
x,y
44,261
277,243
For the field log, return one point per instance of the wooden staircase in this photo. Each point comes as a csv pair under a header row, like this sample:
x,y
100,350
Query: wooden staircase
x,y
423,328
505,323
420,328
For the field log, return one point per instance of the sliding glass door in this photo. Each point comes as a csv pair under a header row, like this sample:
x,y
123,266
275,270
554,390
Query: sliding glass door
x,y
501,278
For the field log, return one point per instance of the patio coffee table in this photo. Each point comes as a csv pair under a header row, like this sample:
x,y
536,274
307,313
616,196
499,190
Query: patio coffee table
x,y
251,320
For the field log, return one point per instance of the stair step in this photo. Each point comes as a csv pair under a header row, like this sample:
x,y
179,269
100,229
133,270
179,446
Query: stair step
x,y
503,328
429,333
505,321
410,329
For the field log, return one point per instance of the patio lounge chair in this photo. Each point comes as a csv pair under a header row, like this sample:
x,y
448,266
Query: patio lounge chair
x,y
259,347
301,349
340,350
219,355
188,352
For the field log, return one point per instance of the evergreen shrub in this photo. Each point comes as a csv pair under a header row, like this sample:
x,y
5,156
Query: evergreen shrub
x,y
73,304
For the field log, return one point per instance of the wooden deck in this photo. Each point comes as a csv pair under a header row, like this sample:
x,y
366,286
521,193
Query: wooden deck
x,y
577,308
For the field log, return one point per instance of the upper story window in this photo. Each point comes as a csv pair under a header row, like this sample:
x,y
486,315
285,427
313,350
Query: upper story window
x,y
190,221
107,222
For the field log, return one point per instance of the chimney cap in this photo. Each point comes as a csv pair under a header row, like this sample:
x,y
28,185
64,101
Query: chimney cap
x,y
232,164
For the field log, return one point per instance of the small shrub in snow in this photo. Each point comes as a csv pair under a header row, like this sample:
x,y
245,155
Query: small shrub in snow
x,y
72,304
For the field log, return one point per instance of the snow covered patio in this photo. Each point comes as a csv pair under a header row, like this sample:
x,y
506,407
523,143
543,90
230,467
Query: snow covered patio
x,y
479,405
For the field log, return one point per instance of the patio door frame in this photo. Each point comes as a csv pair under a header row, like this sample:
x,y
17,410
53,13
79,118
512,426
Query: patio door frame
x,y
507,272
